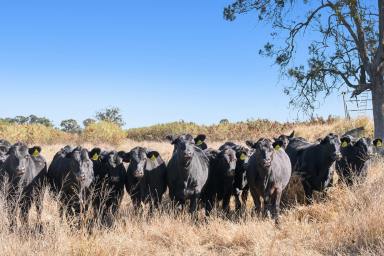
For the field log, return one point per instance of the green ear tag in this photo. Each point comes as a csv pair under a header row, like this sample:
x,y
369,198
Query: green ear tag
x,y
35,153
243,157
379,144
277,147
153,157
199,142
95,157
344,144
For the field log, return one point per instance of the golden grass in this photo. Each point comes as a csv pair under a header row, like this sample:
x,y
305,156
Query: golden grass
x,y
109,133
348,221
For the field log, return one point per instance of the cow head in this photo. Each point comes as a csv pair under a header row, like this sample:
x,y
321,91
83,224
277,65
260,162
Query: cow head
x,y
264,152
184,148
378,143
331,143
81,166
227,159
4,148
139,158
284,139
363,148
19,164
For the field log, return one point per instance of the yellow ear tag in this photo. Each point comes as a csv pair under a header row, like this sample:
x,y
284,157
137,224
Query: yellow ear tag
x,y
344,144
95,157
153,157
379,144
199,142
35,153
277,147
243,157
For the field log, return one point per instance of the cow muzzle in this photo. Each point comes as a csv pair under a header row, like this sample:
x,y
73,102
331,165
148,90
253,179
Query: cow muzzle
x,y
81,177
138,173
337,156
20,171
267,163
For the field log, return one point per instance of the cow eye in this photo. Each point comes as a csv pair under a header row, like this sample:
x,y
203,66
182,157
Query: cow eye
x,y
26,157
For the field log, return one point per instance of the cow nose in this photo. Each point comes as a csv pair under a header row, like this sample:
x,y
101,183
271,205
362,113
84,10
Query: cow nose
x,y
139,173
21,170
267,162
188,154
81,177
231,172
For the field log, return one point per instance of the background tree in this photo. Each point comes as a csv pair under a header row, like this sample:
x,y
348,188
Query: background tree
x,y
21,119
70,125
346,47
32,119
40,120
88,121
112,115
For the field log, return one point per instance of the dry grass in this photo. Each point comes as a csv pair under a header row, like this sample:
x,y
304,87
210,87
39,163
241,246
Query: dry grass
x,y
348,221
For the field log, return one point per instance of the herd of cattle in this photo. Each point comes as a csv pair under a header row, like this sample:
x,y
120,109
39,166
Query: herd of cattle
x,y
195,174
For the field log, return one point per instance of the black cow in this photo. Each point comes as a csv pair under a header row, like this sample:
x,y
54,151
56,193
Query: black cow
x,y
71,175
354,161
26,171
240,184
110,175
222,166
187,171
378,146
284,139
268,173
4,148
200,141
313,162
146,177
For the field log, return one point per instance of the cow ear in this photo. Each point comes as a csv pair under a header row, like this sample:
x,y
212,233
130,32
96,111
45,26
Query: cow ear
x,y
250,143
189,137
125,156
34,151
170,138
277,144
291,135
325,140
153,155
378,142
95,154
84,154
345,141
200,137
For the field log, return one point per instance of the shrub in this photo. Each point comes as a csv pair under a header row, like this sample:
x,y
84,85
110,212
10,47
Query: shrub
x,y
103,132
34,134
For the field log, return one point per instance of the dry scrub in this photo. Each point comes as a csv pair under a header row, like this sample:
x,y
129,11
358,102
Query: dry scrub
x,y
347,221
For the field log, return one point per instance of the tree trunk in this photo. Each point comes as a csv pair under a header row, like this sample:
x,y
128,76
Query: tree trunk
x,y
378,106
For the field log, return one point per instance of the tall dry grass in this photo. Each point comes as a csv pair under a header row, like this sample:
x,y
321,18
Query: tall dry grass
x,y
348,221
109,133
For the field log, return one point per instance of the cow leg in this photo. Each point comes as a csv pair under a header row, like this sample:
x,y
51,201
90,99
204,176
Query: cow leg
x,y
275,204
256,201
226,200
244,197
237,201
25,206
193,203
308,192
11,211
209,203
39,207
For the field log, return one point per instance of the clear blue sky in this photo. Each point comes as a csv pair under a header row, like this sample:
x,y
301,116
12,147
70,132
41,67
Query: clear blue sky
x,y
158,61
